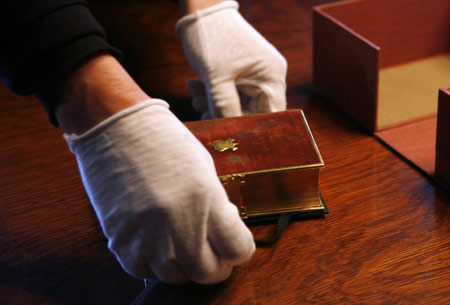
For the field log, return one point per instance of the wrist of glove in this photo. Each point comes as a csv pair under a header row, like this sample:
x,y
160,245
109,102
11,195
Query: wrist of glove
x,y
241,71
155,191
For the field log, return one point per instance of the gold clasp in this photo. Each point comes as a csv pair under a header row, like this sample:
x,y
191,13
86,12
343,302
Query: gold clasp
x,y
221,145
232,184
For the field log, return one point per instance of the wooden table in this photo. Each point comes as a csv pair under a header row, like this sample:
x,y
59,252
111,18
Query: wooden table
x,y
385,241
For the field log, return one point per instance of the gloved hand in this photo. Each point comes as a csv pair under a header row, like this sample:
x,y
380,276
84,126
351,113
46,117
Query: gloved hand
x,y
158,198
234,61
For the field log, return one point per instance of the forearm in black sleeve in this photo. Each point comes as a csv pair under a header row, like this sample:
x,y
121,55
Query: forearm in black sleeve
x,y
42,42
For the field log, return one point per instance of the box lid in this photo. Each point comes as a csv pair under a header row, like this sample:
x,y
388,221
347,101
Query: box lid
x,y
259,143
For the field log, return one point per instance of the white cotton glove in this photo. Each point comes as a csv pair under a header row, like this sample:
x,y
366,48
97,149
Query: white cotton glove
x,y
158,198
234,61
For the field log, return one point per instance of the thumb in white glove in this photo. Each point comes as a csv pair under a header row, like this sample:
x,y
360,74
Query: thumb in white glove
x,y
234,61
158,198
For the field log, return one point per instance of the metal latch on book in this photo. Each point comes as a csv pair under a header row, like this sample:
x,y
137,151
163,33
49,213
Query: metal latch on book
x,y
233,185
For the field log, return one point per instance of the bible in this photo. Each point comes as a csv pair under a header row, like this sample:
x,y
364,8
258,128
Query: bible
x,y
268,163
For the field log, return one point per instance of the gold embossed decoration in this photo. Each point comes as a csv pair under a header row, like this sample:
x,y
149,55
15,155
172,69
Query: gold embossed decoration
x,y
233,185
221,145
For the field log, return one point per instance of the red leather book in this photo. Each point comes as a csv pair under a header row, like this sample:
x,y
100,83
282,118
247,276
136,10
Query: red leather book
x,y
268,163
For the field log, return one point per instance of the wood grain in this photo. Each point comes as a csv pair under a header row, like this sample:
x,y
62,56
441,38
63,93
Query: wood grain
x,y
386,240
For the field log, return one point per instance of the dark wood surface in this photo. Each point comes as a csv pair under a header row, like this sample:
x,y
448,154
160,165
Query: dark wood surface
x,y
385,241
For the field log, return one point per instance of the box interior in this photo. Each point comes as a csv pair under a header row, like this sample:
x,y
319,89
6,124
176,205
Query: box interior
x,y
416,141
410,91
413,38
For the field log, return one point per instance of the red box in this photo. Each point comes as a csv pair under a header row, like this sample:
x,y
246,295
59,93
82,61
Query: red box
x,y
383,62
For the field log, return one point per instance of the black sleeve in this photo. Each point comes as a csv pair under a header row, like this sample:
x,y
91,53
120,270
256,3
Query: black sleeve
x,y
42,41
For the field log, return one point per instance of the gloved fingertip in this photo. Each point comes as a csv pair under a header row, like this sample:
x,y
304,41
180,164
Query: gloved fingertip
x,y
169,272
224,99
230,237
221,273
264,97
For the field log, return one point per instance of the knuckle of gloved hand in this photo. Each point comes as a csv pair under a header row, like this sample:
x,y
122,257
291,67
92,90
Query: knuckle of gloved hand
x,y
205,274
167,270
132,261
282,67
272,70
278,64
235,255
173,278
237,249
240,249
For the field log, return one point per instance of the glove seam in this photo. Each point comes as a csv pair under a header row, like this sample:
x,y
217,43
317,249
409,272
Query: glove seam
x,y
183,21
115,117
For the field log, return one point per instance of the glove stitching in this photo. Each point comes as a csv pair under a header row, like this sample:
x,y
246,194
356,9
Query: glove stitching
x,y
112,119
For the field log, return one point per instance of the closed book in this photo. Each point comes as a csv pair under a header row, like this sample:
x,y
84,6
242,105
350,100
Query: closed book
x,y
268,163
